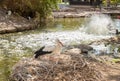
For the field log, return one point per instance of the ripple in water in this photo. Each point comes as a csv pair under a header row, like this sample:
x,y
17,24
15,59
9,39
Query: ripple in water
x,y
48,39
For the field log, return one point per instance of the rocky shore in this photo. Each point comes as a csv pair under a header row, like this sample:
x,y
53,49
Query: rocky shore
x,y
73,11
10,23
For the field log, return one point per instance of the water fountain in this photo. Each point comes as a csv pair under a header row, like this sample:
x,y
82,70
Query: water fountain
x,y
99,24
117,24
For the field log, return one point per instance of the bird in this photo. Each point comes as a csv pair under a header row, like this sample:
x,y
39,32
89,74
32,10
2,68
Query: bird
x,y
58,47
56,50
41,52
117,32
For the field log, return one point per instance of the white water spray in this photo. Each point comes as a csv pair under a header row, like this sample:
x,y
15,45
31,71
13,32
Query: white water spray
x,y
99,24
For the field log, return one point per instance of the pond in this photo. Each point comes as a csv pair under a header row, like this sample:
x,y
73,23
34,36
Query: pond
x,y
15,46
12,50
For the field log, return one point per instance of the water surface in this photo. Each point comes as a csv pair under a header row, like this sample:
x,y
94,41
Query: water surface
x,y
12,49
15,46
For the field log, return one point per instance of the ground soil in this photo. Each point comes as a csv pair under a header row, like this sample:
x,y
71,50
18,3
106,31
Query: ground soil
x,y
110,71
93,71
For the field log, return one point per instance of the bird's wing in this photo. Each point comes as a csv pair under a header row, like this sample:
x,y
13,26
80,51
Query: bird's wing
x,y
40,50
42,53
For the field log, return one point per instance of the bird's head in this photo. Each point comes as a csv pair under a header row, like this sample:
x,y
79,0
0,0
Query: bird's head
x,y
59,42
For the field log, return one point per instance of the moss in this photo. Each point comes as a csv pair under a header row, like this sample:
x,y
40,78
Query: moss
x,y
115,60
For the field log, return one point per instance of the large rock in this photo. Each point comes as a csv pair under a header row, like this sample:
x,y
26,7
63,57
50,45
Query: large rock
x,y
12,23
80,48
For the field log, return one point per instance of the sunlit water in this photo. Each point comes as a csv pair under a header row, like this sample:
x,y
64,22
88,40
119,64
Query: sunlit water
x,y
18,45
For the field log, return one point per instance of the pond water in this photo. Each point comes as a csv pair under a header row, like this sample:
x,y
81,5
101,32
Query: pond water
x,y
12,49
15,46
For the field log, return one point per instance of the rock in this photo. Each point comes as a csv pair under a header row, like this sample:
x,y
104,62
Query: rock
x,y
2,31
77,49
84,48
9,13
10,23
69,15
11,29
116,56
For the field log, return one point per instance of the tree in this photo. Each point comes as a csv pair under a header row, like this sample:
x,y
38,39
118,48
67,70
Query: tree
x,y
29,8
108,3
44,7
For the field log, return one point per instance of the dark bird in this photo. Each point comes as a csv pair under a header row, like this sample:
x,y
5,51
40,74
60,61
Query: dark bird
x,y
117,32
56,50
41,52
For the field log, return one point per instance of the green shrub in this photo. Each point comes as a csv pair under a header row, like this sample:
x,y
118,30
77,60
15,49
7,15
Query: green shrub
x,y
28,8
112,2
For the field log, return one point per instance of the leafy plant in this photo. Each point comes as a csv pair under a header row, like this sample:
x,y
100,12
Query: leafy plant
x,y
29,8
112,2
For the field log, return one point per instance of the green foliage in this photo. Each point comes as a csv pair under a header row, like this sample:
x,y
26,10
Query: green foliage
x,y
44,7
31,7
118,1
112,2
115,60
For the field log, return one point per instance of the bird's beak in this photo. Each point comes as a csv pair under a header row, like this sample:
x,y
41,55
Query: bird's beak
x,y
61,43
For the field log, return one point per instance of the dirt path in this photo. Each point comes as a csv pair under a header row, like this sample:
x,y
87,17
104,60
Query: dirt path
x,y
111,72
